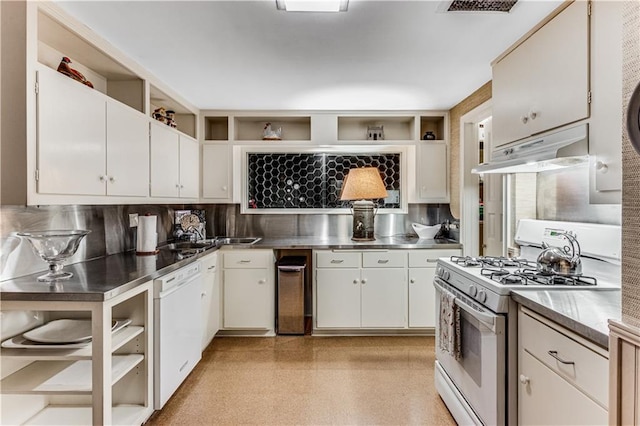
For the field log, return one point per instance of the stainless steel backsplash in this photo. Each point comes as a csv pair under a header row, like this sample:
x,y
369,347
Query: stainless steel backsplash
x,y
111,234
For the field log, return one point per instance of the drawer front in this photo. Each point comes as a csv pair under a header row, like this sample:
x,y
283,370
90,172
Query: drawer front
x,y
248,259
427,258
384,259
337,259
582,367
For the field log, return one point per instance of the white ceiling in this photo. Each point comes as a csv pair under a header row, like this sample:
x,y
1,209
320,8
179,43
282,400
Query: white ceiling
x,y
387,55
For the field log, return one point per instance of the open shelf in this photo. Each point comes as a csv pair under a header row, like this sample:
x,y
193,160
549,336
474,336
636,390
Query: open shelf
x,y
294,128
216,128
118,340
399,128
434,124
105,73
81,416
184,118
63,377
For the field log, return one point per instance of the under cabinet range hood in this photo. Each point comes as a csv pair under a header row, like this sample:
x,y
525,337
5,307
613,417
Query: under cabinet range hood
x,y
564,148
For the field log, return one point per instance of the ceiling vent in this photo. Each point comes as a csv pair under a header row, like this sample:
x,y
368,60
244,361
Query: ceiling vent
x,y
476,6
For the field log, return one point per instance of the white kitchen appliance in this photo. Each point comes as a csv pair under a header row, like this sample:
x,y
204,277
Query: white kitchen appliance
x,y
177,329
481,386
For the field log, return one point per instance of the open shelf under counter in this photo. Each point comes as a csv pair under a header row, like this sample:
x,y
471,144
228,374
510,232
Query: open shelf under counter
x,y
118,340
63,377
82,415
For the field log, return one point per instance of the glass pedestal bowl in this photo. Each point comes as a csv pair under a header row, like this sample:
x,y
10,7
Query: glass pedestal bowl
x,y
55,247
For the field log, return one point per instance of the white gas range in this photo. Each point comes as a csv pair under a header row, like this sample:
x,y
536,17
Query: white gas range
x,y
480,387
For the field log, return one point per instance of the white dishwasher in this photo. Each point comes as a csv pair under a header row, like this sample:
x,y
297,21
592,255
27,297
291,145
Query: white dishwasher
x,y
177,329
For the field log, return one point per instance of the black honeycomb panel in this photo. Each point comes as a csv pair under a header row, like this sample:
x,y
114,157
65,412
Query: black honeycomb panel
x,y
312,181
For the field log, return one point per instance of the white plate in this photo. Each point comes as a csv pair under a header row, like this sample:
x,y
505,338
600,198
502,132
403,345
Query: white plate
x,y
62,331
22,342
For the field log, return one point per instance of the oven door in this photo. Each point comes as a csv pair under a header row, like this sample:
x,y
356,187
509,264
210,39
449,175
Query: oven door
x,y
479,375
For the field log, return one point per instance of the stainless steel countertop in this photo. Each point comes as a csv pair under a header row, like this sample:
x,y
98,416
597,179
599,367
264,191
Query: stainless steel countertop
x,y
106,277
585,312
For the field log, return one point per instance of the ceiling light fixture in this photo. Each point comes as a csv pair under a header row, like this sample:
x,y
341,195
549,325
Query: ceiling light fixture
x,y
312,5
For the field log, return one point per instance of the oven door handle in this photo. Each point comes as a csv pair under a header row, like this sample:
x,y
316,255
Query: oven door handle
x,y
487,320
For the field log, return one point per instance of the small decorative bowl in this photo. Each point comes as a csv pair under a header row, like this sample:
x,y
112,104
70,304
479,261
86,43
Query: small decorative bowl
x,y
55,247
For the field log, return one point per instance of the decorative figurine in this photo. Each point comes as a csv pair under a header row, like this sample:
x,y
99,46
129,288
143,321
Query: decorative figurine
x,y
269,134
375,133
65,69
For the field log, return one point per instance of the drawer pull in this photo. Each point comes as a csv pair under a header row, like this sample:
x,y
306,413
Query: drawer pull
x,y
554,354
431,260
383,260
337,260
524,379
245,261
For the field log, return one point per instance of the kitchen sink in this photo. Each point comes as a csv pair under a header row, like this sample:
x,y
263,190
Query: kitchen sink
x,y
187,245
247,241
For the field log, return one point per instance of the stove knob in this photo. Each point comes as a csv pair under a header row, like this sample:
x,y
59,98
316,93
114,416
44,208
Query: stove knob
x,y
445,275
439,271
473,290
482,296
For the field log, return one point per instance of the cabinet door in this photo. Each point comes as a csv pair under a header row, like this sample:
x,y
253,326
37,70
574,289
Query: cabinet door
x,y
189,167
432,171
127,151
544,398
210,299
249,298
216,165
164,162
544,82
338,298
71,136
422,304
384,297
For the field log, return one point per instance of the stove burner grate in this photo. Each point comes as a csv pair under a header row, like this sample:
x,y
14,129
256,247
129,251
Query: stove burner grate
x,y
492,261
533,276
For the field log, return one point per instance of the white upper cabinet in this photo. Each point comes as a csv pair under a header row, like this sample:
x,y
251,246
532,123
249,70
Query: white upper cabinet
x,y
127,151
216,172
165,162
432,173
71,137
544,82
189,167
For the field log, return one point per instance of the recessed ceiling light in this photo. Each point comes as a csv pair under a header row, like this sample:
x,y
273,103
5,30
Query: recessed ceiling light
x,y
312,5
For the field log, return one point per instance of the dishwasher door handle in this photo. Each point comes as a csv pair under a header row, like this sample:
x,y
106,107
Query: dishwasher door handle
x,y
178,287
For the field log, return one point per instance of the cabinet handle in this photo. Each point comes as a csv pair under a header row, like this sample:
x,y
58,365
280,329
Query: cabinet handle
x,y
601,167
204,293
432,260
262,281
524,379
383,261
181,186
337,260
177,185
211,267
224,188
524,119
364,281
412,280
356,281
533,115
112,179
554,354
102,178
245,261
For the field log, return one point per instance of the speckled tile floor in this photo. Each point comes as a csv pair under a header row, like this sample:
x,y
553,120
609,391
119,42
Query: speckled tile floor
x,y
310,381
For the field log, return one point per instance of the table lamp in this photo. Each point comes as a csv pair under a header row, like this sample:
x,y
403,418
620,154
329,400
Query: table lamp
x,y
362,185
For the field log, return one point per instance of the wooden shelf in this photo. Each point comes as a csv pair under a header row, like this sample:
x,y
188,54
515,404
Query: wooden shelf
x,y
81,415
63,377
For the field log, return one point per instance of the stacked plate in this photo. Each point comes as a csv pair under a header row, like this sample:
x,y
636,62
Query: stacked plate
x,y
60,334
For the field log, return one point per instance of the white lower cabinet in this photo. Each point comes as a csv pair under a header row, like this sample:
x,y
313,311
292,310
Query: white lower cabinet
x,y
373,294
422,270
211,301
248,289
563,378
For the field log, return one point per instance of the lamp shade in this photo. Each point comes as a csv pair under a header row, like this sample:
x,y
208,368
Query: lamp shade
x,y
363,183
